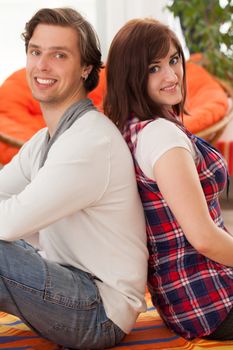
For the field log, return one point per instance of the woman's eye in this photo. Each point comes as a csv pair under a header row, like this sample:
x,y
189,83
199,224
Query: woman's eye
x,y
174,60
153,69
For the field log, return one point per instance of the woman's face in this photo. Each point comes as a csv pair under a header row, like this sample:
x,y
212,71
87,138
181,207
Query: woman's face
x,y
165,79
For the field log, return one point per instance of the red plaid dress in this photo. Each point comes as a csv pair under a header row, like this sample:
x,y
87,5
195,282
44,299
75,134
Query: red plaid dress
x,y
192,293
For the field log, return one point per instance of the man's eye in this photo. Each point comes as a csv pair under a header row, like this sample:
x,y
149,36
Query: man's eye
x,y
60,55
35,53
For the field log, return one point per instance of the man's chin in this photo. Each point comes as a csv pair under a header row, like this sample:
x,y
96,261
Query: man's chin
x,y
42,99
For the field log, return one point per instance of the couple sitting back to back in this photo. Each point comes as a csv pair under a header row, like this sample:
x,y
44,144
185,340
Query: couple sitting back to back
x,y
74,184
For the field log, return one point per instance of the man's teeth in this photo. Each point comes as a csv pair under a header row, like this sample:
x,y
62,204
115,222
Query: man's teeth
x,y
45,81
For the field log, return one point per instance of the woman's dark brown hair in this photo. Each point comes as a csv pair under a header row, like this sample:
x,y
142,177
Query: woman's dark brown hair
x,y
87,40
138,43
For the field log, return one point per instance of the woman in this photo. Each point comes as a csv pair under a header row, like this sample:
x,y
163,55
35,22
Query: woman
x,y
179,177
73,182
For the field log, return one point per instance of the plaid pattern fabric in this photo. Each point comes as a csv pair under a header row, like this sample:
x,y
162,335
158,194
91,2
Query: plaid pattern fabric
x,y
192,293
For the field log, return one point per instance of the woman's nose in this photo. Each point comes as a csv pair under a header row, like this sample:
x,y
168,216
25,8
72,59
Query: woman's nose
x,y
169,74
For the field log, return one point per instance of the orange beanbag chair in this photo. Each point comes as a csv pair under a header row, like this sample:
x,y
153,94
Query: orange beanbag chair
x,y
20,114
207,102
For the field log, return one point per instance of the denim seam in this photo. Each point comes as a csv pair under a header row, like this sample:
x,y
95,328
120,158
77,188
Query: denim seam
x,y
65,301
22,286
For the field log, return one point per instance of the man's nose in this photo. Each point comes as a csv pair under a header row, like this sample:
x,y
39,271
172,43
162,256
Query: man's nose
x,y
43,63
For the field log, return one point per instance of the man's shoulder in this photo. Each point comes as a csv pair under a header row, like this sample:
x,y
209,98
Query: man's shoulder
x,y
97,117
93,133
97,124
37,138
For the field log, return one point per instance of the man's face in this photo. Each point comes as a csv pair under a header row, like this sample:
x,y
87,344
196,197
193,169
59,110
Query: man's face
x,y
54,70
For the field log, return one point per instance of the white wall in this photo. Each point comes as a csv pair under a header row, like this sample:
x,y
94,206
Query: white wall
x,y
107,16
120,11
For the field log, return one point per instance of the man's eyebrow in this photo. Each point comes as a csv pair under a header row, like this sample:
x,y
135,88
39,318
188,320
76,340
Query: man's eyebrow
x,y
52,48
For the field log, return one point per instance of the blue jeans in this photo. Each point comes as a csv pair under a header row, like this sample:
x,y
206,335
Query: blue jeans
x,y
59,303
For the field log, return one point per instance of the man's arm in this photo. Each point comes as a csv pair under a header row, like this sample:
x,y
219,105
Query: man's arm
x,y
14,176
74,176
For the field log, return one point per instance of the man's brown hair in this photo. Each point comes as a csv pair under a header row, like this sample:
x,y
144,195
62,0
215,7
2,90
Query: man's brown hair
x,y
88,42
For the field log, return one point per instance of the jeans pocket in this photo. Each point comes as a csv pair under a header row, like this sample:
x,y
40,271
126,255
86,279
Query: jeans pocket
x,y
70,287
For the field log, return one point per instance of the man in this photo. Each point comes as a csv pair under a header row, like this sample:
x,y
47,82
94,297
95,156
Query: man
x,y
73,182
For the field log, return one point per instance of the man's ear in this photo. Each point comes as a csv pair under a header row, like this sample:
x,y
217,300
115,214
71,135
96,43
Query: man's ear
x,y
86,71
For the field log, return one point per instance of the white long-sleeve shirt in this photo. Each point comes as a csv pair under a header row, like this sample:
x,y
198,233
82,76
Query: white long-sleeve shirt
x,y
85,205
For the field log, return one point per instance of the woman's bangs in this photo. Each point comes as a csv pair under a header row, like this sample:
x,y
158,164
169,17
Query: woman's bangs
x,y
159,47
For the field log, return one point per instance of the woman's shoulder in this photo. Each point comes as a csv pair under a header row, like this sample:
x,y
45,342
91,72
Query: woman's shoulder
x,y
163,134
161,128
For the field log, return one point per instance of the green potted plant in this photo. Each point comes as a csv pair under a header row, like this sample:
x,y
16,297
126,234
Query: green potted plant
x,y
208,29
